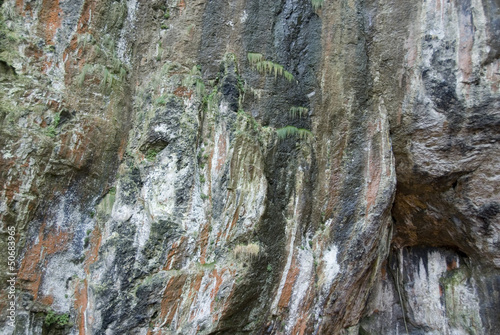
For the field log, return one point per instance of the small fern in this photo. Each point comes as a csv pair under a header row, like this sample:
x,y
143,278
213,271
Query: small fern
x,y
211,99
290,131
200,87
81,77
107,79
254,58
84,39
196,70
267,67
288,76
193,78
317,4
123,74
298,111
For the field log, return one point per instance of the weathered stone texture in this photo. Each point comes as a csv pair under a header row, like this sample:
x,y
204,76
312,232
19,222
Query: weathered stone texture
x,y
145,165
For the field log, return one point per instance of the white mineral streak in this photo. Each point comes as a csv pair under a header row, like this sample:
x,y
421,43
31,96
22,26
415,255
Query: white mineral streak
x,y
128,30
426,306
301,286
142,234
438,299
331,268
426,300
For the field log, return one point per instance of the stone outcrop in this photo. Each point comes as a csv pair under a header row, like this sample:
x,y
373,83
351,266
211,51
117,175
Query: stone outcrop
x,y
250,167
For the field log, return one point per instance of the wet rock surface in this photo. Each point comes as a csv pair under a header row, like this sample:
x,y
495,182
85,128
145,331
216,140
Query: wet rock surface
x,y
290,167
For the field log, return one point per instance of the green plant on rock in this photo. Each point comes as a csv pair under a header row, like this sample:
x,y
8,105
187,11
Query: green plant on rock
x,y
57,319
297,111
111,75
200,87
210,99
207,265
194,78
51,130
317,4
257,61
254,58
84,39
108,42
106,80
80,78
161,101
151,154
86,242
290,131
108,67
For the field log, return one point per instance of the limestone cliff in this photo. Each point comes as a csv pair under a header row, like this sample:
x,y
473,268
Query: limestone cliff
x,y
250,167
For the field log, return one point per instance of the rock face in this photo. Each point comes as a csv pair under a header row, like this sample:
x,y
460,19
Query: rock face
x,y
250,167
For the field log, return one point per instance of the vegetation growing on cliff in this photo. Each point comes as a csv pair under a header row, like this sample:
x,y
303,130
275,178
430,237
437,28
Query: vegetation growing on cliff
x,y
56,319
317,3
297,111
267,67
289,131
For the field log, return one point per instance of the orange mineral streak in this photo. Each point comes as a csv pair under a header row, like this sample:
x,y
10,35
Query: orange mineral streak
x,y
383,270
75,145
218,282
182,5
193,292
81,290
173,259
451,265
20,6
50,241
84,22
49,20
76,61
203,242
336,179
81,300
11,189
93,253
301,325
122,148
195,285
183,92
236,216
291,276
46,300
3,300
32,51
46,65
221,154
466,42
171,298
